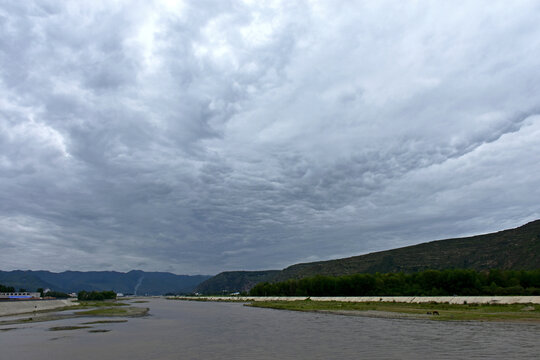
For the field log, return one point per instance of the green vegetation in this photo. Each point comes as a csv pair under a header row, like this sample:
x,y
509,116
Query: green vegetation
x,y
109,308
514,249
55,294
8,329
515,312
424,283
96,295
208,298
61,328
92,304
104,322
105,312
6,288
93,309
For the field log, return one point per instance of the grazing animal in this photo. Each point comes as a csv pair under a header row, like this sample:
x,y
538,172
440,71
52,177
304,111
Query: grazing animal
x,y
428,313
435,312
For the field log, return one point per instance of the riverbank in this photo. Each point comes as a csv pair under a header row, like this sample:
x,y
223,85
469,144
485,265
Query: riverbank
x,y
220,330
464,308
384,299
29,306
431,311
82,309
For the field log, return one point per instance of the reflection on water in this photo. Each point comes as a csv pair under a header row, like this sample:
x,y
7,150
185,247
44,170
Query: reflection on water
x,y
205,330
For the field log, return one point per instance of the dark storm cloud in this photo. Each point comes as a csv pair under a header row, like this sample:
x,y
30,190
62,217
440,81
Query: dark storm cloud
x,y
196,137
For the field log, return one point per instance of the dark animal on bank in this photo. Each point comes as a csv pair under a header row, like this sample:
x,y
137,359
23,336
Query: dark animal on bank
x,y
435,312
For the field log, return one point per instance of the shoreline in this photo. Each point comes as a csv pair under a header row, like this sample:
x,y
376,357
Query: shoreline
x,y
378,314
522,309
76,310
528,313
17,307
457,300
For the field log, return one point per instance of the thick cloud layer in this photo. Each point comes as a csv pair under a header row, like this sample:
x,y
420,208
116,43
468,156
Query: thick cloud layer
x,y
202,136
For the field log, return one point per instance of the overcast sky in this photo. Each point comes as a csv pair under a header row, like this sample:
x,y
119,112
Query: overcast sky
x,y
203,136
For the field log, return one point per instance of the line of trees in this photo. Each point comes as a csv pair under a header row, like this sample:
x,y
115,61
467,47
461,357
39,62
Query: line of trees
x,y
7,289
82,295
425,283
54,294
96,295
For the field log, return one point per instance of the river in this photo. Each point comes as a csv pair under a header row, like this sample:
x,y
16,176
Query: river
x,y
209,330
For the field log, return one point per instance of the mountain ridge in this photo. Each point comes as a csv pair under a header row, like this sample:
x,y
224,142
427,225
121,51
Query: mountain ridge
x,y
510,249
133,282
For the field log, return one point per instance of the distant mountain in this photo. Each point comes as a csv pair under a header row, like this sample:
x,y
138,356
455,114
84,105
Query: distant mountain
x,y
134,282
514,249
232,281
23,280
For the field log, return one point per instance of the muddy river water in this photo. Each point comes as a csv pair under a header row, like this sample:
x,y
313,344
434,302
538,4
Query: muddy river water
x,y
208,330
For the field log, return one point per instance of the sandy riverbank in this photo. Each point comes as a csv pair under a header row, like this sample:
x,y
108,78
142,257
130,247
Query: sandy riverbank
x,y
398,299
401,310
29,306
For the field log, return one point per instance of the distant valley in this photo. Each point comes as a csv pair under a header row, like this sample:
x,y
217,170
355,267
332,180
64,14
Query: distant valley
x,y
133,282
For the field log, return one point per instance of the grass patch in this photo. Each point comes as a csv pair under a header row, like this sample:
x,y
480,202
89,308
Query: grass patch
x,y
130,311
93,304
104,308
207,299
62,328
104,322
99,308
8,329
139,301
487,312
104,312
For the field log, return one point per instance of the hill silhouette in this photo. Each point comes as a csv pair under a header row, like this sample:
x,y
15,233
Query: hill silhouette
x,y
133,282
513,249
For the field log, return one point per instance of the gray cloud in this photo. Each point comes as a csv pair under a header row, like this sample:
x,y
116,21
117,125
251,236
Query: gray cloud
x,y
196,137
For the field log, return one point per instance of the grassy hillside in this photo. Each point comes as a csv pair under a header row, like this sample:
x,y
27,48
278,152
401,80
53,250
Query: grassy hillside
x,y
514,249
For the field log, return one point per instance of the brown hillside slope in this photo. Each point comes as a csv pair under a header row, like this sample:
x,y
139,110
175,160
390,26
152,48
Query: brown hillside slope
x,y
513,249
